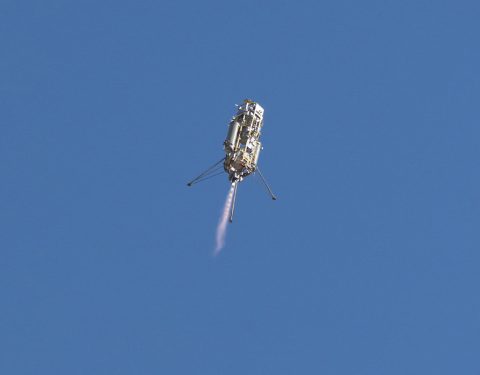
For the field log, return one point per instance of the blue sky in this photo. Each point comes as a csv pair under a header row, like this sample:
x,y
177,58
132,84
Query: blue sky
x,y
367,263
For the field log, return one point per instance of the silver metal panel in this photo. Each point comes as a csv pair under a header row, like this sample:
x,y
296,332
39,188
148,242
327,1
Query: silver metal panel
x,y
232,134
257,153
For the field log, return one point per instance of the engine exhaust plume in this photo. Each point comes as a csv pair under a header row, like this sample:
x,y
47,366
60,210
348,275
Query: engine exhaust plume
x,y
222,224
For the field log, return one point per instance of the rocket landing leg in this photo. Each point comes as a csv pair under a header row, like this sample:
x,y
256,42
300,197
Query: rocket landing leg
x,y
266,185
210,172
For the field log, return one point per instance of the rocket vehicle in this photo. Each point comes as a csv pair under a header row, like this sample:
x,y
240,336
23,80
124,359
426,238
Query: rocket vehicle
x,y
242,149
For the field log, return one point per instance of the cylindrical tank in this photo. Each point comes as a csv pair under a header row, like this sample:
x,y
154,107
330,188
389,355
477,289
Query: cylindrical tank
x,y
257,153
232,133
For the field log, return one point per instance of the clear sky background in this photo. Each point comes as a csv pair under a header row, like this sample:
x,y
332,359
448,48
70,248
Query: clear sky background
x,y
367,264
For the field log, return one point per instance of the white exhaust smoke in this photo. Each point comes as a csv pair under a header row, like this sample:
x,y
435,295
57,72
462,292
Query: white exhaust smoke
x,y
222,224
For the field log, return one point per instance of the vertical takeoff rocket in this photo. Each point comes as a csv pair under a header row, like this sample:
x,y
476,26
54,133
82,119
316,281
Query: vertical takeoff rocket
x,y
242,149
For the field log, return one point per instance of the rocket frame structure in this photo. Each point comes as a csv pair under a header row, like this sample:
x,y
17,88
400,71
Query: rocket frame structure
x,y
242,149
